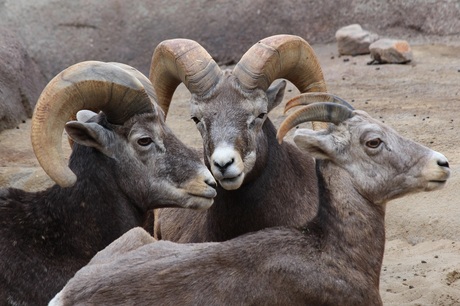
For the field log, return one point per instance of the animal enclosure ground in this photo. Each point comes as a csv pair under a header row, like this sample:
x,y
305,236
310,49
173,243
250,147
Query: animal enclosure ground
x,y
421,101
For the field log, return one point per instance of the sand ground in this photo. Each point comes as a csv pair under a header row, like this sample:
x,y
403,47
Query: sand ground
x,y
421,100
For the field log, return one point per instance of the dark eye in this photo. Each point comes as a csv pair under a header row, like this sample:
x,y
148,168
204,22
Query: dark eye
x,y
144,141
261,116
196,120
374,143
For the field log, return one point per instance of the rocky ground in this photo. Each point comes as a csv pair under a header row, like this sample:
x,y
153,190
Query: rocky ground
x,y
421,100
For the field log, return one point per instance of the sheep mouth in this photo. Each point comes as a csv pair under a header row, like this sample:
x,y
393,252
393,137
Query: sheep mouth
x,y
438,181
435,184
231,179
201,201
232,183
211,194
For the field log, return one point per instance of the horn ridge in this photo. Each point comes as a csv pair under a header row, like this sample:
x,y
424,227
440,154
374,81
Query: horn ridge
x,y
312,97
319,111
185,61
281,56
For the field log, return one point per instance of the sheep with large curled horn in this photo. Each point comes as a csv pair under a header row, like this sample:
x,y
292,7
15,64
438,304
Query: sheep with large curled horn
x,y
125,162
261,183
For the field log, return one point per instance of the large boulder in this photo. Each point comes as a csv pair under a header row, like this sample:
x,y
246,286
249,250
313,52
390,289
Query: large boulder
x,y
20,81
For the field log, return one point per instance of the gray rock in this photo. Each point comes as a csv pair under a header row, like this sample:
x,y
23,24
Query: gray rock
x,y
353,40
21,81
391,51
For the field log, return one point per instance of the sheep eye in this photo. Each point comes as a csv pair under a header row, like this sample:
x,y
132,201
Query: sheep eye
x,y
144,141
261,116
374,143
196,120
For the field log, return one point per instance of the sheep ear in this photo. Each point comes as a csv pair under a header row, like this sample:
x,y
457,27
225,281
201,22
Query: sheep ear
x,y
89,134
316,143
84,115
275,94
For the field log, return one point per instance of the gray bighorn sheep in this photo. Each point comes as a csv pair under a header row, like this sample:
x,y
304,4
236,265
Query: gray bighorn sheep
x,y
261,183
125,162
334,259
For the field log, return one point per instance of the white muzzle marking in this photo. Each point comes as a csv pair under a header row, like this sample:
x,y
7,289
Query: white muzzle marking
x,y
227,167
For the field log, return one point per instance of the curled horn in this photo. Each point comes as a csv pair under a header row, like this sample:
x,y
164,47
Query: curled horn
x,y
322,111
312,97
182,60
281,56
86,85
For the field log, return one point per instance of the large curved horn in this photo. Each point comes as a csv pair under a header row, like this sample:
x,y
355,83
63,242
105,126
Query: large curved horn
x,y
281,56
312,97
86,85
182,60
323,111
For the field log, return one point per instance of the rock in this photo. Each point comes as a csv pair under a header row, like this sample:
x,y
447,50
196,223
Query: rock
x,y
27,178
21,81
353,40
391,51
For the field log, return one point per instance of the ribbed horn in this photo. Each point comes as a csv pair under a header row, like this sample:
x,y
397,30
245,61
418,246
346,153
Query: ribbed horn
x,y
312,97
281,56
323,112
182,60
86,85
142,78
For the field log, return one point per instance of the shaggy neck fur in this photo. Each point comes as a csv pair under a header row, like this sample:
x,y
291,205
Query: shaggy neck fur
x,y
74,231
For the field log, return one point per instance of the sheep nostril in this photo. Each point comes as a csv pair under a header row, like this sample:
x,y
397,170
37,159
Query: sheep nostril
x,y
223,167
211,183
443,163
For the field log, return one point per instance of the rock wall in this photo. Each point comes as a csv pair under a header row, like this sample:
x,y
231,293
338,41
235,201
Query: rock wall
x,y
60,33
21,81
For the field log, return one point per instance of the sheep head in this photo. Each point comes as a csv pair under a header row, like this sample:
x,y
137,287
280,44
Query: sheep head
x,y
390,166
130,132
230,108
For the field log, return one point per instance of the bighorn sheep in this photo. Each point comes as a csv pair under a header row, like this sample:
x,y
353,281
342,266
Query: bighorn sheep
x,y
125,162
261,183
335,259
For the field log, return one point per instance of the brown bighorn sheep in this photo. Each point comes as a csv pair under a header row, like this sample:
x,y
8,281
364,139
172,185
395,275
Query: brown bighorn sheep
x,y
261,183
334,259
125,162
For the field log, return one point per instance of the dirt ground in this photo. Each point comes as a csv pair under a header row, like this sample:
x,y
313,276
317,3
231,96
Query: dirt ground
x,y
420,100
